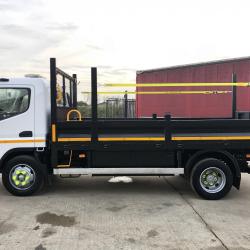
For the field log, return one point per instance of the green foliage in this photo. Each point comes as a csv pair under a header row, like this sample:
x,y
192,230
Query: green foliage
x,y
85,109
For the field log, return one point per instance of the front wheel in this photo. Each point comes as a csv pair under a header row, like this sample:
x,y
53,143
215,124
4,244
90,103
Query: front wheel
x,y
22,176
211,178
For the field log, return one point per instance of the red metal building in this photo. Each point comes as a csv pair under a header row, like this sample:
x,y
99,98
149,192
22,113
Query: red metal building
x,y
194,105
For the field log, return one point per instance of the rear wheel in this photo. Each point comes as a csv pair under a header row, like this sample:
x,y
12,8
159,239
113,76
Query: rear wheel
x,y
211,178
22,176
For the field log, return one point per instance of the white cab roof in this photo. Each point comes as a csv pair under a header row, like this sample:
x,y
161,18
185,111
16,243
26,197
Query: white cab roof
x,y
25,81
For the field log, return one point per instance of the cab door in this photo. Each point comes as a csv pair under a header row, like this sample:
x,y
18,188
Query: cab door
x,y
16,117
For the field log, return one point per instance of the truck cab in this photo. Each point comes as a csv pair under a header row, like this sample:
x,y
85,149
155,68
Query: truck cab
x,y
24,113
24,123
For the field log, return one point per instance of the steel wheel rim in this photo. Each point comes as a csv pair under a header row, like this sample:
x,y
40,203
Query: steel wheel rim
x,y
212,180
22,177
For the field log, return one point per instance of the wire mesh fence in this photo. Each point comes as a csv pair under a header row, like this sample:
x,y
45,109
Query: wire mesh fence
x,y
111,108
120,108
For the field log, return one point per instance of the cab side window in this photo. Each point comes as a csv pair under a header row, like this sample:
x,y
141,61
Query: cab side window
x,y
13,101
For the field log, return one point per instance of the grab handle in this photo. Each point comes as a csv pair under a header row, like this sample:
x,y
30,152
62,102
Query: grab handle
x,y
74,111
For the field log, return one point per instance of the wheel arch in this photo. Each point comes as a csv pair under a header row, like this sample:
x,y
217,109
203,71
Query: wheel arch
x,y
19,152
226,156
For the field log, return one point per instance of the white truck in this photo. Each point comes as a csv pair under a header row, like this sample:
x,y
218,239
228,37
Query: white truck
x,y
42,133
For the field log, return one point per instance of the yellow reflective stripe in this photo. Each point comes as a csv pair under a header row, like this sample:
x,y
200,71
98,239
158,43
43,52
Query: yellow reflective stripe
x,y
209,138
132,139
39,140
53,133
113,139
21,141
73,139
189,84
174,138
206,92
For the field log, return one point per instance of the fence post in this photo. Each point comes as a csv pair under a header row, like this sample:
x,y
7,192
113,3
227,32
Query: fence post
x,y
126,104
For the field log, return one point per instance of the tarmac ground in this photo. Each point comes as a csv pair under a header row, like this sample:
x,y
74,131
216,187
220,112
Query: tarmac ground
x,y
149,213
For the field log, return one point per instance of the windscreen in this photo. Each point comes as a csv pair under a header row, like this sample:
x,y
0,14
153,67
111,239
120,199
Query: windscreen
x,y
13,101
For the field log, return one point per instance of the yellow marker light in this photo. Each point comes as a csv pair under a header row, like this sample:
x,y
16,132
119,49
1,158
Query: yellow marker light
x,y
82,155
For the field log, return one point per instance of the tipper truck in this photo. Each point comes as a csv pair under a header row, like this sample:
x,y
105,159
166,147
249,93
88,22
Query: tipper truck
x,y
43,134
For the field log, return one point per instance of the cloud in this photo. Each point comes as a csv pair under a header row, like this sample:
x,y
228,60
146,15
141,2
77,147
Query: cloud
x,y
119,38
30,38
15,29
20,44
62,27
31,31
7,5
93,47
7,48
75,66
119,71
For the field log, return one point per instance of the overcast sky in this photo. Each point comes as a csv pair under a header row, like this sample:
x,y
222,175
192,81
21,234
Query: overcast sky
x,y
118,36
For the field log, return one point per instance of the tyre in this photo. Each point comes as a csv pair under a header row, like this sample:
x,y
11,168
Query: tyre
x,y
211,178
22,176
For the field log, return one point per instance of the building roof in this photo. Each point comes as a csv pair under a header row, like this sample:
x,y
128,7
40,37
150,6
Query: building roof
x,y
196,64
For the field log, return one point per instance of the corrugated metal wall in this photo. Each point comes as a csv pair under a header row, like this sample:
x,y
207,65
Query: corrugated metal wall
x,y
195,105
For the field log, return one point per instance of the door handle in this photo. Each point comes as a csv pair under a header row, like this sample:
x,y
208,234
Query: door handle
x,y
26,134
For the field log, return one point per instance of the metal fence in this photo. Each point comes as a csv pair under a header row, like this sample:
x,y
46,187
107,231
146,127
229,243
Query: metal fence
x,y
120,108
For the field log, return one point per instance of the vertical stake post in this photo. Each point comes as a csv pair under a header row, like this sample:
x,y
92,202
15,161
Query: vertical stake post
x,y
75,91
71,93
94,103
64,92
53,96
234,96
53,90
167,128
